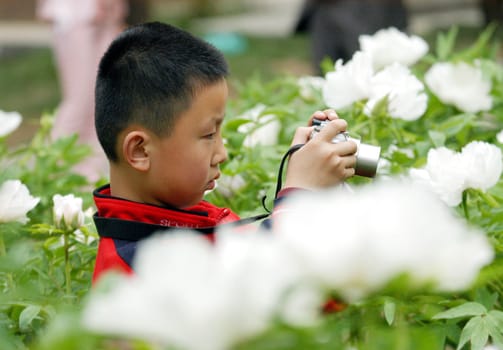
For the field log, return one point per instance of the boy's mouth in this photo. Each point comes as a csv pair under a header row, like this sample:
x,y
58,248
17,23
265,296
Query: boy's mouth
x,y
213,183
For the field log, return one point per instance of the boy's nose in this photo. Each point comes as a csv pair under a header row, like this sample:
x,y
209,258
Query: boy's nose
x,y
220,154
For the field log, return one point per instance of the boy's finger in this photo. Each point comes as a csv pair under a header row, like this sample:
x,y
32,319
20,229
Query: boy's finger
x,y
317,115
330,130
347,148
302,135
331,114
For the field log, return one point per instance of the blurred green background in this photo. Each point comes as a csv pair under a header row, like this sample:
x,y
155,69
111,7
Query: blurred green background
x,y
28,77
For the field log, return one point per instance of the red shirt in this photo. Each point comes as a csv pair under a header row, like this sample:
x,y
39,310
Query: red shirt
x,y
115,253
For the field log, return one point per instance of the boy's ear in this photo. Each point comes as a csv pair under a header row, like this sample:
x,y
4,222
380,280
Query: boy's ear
x,y
134,149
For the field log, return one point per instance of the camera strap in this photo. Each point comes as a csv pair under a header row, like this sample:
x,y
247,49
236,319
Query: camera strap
x,y
288,153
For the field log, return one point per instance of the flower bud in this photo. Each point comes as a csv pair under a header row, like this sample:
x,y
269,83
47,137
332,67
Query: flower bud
x,y
67,211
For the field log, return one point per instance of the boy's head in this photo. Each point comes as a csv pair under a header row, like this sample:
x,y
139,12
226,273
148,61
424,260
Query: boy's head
x,y
160,101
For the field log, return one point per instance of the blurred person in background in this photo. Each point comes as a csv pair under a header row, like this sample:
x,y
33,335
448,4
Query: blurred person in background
x,y
335,25
82,30
492,11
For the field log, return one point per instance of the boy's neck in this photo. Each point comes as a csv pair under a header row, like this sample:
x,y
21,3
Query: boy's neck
x,y
123,185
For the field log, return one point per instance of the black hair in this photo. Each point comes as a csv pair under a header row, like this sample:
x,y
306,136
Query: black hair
x,y
148,76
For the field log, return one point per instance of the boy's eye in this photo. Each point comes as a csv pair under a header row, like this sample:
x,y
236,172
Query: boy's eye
x,y
210,135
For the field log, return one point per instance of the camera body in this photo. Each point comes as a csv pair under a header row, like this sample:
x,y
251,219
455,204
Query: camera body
x,y
367,156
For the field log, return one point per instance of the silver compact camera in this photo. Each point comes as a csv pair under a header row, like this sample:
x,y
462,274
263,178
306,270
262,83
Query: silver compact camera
x,y
367,156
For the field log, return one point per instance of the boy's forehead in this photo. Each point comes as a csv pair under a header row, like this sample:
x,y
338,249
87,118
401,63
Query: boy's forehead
x,y
209,103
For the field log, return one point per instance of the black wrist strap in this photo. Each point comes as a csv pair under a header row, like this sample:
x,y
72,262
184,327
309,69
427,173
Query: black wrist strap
x,y
288,153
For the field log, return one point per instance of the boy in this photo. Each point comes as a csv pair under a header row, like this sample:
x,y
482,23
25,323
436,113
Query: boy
x,y
160,102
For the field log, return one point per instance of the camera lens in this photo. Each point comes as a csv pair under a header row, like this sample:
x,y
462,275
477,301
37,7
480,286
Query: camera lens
x,y
367,158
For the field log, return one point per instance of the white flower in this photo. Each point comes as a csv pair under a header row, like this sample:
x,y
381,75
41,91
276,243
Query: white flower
x,y
461,85
390,45
406,97
355,81
265,280
449,173
356,243
408,152
444,174
174,298
190,294
349,82
499,136
309,85
9,121
483,164
266,134
15,201
262,129
229,185
491,347
67,211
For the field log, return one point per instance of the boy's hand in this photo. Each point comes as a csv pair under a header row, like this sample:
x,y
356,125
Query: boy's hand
x,y
321,163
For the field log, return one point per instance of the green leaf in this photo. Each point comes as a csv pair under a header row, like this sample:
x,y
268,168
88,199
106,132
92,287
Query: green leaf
x,y
474,331
327,65
480,334
494,328
27,316
445,43
389,311
486,298
466,309
381,107
453,125
497,316
479,48
489,199
437,137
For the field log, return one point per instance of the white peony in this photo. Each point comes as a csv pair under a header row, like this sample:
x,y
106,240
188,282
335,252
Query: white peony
x,y
499,136
9,121
349,82
390,45
263,129
265,280
67,211
190,294
355,81
483,164
461,85
406,97
449,173
309,86
175,297
444,174
228,186
15,201
356,243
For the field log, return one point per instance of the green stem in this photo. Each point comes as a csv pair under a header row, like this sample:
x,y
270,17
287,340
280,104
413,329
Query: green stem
x,y
9,283
396,132
465,205
68,267
3,250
